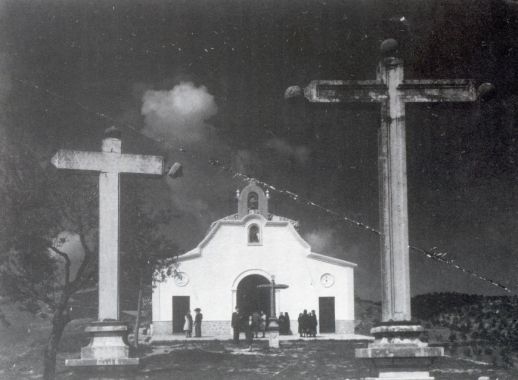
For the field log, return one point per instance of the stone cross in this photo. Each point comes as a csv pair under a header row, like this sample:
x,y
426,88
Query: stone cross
x,y
109,163
273,286
392,92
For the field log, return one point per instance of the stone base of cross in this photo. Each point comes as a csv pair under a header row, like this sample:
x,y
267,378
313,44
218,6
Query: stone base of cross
x,y
107,348
398,352
108,336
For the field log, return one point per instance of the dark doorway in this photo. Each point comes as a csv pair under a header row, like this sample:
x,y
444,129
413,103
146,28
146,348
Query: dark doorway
x,y
326,314
250,298
181,305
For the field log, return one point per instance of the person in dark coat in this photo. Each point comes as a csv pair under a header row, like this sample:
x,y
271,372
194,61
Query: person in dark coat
x,y
198,317
288,327
301,327
236,325
313,323
305,323
248,327
282,324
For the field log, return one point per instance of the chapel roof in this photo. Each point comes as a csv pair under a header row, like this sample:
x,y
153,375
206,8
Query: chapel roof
x,y
253,203
269,217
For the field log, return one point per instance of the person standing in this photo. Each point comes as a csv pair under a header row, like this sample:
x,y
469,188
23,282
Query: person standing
x,y
187,326
236,321
305,323
288,324
282,324
198,317
313,323
262,323
301,327
256,322
249,334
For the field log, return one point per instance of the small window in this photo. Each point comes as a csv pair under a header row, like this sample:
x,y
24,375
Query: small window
x,y
253,201
253,234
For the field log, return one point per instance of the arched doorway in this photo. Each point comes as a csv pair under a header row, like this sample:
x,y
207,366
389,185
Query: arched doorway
x,y
250,298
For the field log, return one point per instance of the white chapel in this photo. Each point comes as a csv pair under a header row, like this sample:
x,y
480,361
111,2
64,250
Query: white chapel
x,y
247,249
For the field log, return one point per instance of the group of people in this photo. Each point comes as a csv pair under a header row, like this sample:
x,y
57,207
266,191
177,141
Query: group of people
x,y
250,324
190,323
253,324
308,324
284,324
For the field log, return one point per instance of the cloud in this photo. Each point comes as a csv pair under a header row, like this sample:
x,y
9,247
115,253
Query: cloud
x,y
177,118
247,162
320,240
299,153
178,114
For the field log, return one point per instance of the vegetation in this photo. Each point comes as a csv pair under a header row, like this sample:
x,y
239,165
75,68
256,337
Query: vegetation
x,y
472,326
485,327
45,208
46,211
147,251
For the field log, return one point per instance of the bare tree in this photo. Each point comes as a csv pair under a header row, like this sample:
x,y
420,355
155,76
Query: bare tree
x,y
147,249
34,270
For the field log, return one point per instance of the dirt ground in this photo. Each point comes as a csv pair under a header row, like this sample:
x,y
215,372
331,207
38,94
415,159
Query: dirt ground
x,y
21,354
294,360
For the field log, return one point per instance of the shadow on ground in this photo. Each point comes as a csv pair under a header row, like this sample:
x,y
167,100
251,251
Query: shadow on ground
x,y
294,360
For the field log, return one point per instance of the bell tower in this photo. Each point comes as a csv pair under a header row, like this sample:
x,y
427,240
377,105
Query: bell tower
x,y
252,200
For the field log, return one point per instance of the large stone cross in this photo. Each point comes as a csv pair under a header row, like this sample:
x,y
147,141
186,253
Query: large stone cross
x,y
392,92
109,163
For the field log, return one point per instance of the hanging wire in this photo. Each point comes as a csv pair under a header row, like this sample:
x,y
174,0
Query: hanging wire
x,y
433,253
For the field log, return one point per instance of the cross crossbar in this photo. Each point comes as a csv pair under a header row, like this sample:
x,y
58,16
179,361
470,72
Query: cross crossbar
x,y
438,90
375,91
107,162
338,91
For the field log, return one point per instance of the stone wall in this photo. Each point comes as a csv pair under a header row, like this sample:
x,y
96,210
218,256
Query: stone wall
x,y
162,328
341,327
216,328
222,328
208,328
344,327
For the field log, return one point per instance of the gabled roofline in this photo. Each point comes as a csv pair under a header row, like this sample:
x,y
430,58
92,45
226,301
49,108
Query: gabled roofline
x,y
331,260
196,252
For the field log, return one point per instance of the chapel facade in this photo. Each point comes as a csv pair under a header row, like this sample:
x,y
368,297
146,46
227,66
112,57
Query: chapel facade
x,y
247,249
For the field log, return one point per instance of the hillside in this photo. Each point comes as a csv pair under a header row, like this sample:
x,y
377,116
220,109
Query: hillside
x,y
476,327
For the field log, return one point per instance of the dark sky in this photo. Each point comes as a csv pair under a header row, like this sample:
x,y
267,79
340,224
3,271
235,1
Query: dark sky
x,y
70,69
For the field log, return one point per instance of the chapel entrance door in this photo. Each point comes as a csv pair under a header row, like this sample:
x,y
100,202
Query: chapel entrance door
x,y
326,314
250,298
181,305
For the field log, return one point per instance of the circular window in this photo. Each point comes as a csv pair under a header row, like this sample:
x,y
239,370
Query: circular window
x,y
327,280
181,279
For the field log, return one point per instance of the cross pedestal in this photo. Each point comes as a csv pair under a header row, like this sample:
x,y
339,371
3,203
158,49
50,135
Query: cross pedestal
x,y
273,324
397,351
108,345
